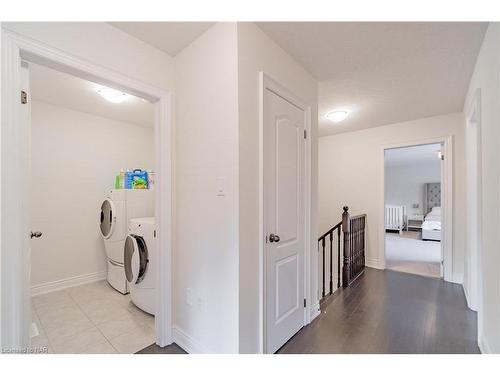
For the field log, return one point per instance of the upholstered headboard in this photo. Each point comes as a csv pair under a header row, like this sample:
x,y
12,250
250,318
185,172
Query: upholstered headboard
x,y
432,196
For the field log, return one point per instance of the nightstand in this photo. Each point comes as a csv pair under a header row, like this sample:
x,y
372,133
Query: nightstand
x,y
415,222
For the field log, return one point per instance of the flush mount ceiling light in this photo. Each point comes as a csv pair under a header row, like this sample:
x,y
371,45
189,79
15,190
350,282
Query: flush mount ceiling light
x,y
337,116
111,95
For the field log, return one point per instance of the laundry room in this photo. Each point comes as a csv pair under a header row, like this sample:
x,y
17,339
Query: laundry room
x,y
92,204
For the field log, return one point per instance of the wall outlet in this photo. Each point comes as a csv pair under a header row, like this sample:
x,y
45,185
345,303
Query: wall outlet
x,y
221,187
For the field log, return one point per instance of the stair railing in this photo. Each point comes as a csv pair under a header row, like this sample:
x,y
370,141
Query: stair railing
x,y
349,252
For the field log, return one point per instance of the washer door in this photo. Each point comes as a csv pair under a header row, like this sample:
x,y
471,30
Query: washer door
x,y
108,218
135,259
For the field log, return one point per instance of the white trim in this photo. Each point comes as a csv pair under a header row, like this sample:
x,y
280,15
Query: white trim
x,y
69,282
308,233
373,263
315,311
484,348
447,202
474,291
262,269
187,342
164,219
458,278
266,82
15,291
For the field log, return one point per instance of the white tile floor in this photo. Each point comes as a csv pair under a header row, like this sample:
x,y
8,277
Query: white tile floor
x,y
91,318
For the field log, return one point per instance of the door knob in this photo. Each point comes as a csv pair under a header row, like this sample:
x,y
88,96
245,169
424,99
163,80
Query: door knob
x,y
36,234
274,238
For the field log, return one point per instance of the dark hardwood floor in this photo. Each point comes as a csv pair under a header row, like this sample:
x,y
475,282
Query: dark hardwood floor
x,y
385,312
391,312
155,349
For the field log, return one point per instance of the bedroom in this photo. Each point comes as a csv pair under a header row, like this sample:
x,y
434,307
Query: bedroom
x,y
413,209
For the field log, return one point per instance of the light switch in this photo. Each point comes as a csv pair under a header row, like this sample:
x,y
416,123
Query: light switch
x,y
221,187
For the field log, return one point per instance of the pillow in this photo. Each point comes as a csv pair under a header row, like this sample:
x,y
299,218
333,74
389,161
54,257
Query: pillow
x,y
436,210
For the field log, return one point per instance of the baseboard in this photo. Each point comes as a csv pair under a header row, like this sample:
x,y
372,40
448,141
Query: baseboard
x,y
373,263
468,299
483,346
466,294
53,286
187,342
457,278
315,311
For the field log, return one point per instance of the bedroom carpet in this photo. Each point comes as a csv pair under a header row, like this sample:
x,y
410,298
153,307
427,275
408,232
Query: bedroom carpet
x,y
412,255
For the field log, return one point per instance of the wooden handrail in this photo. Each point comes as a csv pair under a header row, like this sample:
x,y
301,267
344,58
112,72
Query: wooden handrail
x,y
331,230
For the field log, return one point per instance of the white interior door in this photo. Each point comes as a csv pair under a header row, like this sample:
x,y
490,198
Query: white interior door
x,y
284,219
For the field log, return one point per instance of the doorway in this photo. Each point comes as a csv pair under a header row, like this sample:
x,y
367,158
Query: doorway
x,y
416,209
413,210
85,139
16,315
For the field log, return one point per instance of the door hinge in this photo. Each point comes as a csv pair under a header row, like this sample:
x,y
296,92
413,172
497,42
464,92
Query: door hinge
x,y
305,302
305,134
24,97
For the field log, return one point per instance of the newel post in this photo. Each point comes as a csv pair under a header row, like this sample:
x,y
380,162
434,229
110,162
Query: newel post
x,y
346,229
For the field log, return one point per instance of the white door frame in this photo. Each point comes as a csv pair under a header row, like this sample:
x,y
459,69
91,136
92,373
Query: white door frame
x,y
15,288
447,201
268,83
473,291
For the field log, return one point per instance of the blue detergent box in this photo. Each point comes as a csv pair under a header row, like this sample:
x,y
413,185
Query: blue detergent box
x,y
137,179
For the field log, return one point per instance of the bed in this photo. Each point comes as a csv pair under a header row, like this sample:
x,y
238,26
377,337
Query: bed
x,y
431,227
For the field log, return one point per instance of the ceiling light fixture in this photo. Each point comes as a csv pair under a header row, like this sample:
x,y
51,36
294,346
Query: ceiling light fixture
x,y
112,95
337,116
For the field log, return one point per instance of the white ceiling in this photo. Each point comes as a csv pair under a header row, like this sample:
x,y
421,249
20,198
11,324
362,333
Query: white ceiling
x,y
384,72
68,91
405,156
170,37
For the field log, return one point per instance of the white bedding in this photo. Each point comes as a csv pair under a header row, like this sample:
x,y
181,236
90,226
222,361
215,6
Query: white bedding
x,y
433,219
431,225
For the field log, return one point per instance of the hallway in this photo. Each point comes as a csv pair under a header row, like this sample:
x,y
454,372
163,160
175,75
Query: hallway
x,y
385,312
391,312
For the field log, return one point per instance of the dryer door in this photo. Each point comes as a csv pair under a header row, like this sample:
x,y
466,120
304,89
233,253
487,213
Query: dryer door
x,y
136,259
108,218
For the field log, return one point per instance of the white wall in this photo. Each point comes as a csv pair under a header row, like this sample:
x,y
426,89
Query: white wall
x,y
75,157
404,185
206,225
256,53
486,78
350,173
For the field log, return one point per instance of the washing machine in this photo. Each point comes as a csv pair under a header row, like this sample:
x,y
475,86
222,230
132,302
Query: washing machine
x,y
140,263
119,206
